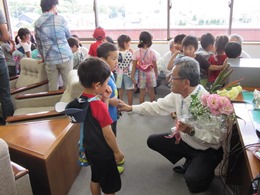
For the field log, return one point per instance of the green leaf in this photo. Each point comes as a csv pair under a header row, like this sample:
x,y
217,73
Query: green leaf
x,y
221,79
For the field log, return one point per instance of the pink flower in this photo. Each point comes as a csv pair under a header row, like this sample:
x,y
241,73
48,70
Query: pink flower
x,y
224,100
213,101
226,108
214,111
204,98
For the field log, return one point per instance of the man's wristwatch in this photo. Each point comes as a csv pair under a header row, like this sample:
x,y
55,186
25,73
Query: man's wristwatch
x,y
192,132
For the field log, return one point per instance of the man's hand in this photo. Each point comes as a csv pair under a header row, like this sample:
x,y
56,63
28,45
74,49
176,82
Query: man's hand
x,y
122,106
183,127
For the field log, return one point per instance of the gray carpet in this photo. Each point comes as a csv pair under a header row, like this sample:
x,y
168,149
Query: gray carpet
x,y
146,172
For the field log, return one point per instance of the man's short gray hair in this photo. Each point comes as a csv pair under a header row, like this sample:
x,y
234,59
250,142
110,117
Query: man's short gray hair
x,y
237,37
171,42
189,69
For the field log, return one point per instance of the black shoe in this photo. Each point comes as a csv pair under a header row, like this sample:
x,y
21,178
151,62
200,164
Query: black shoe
x,y
2,122
183,168
179,169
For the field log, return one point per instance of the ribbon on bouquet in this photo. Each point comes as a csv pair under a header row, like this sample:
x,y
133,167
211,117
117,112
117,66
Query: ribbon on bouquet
x,y
175,133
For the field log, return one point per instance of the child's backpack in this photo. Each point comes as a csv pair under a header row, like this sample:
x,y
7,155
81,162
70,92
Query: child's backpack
x,y
140,65
77,111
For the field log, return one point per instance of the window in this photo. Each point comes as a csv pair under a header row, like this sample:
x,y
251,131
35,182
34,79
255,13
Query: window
x,y
246,19
131,17
23,14
79,14
198,17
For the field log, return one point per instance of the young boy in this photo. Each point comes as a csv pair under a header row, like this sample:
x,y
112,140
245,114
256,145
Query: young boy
x,y
233,50
83,49
78,56
190,46
109,53
99,35
99,140
207,42
175,49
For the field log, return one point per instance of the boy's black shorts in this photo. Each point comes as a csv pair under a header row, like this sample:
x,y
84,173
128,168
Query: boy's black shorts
x,y
106,174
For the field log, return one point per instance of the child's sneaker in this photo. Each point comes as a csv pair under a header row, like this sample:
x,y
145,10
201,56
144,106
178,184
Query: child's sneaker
x,y
121,162
82,160
120,169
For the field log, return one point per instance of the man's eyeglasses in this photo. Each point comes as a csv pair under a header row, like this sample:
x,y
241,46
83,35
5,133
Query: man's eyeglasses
x,y
177,78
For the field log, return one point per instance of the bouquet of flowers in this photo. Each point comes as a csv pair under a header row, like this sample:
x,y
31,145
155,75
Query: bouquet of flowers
x,y
210,105
211,112
218,102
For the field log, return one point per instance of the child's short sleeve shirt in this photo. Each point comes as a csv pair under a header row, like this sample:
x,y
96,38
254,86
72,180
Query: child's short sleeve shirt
x,y
93,48
114,94
99,111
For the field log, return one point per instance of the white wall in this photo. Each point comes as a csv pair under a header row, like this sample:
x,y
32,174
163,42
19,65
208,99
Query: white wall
x,y
253,49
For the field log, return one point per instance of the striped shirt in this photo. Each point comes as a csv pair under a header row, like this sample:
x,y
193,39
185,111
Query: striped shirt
x,y
51,33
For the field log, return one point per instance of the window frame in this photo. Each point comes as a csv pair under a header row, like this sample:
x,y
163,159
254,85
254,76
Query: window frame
x,y
167,31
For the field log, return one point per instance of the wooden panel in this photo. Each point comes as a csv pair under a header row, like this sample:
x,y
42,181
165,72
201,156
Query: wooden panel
x,y
39,94
64,157
18,170
248,136
48,149
33,116
40,143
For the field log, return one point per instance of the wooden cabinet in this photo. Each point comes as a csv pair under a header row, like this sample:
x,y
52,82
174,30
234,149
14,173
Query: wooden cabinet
x,y
48,149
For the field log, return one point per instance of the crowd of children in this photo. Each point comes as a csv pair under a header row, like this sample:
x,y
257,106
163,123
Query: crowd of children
x,y
212,54
129,76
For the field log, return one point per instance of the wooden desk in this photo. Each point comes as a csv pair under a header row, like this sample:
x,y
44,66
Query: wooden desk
x,y
247,165
48,149
247,132
240,96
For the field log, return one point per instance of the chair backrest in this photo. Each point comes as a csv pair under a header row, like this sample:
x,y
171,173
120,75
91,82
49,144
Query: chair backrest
x,y
74,88
31,72
7,180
